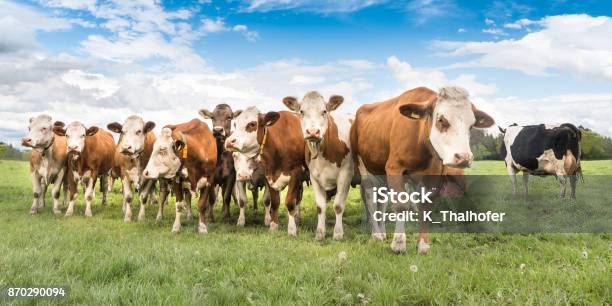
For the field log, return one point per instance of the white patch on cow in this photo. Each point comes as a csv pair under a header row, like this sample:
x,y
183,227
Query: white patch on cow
x,y
134,174
241,140
163,162
423,247
281,182
202,182
202,229
75,136
273,226
398,244
133,135
291,226
548,163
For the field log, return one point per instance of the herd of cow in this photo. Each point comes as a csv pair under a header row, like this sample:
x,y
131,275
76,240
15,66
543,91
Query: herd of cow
x,y
420,137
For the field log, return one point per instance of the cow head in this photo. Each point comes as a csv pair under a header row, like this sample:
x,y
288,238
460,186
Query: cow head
x,y
133,134
75,134
247,125
164,161
221,118
244,166
452,115
40,132
314,113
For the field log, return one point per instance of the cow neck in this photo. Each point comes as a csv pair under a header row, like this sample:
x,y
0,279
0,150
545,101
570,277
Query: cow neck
x,y
183,153
220,148
331,147
48,149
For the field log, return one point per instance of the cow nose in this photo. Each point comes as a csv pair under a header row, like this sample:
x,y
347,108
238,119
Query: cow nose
x,y
230,143
218,130
243,177
313,132
72,148
463,159
26,140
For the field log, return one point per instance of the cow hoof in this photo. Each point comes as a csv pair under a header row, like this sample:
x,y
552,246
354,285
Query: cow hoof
x,y
141,217
379,236
423,247
202,229
158,218
189,218
267,220
88,214
33,212
68,213
176,228
127,219
273,226
320,234
398,245
240,222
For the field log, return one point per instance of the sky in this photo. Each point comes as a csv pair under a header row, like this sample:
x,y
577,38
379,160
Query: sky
x,y
524,62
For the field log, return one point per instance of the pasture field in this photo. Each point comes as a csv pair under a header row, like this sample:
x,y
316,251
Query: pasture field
x,y
106,261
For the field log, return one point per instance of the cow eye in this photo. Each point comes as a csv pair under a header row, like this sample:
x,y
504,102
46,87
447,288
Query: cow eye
x,y
250,125
302,112
324,113
442,124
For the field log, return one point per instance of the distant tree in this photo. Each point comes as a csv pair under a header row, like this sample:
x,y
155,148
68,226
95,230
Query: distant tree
x,y
8,152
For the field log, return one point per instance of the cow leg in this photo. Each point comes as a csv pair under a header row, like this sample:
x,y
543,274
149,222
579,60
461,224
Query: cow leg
x,y
378,230
36,193
562,181
57,186
255,194
41,200
143,197
226,191
526,182
89,192
321,202
343,185
242,198
398,244
291,201
274,203
72,191
267,202
573,179
512,174
179,205
104,188
203,206
65,184
163,197
187,203
127,199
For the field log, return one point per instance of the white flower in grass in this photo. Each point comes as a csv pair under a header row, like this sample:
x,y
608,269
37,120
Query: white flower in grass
x,y
522,266
414,268
585,254
342,256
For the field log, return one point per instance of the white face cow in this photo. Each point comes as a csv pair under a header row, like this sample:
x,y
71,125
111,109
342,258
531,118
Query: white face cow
x,y
244,136
164,161
453,116
75,134
314,113
40,132
244,166
133,134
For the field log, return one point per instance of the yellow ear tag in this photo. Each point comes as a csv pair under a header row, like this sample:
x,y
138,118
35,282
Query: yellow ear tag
x,y
185,152
415,115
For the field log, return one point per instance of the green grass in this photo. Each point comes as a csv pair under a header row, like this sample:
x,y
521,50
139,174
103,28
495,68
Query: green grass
x,y
106,261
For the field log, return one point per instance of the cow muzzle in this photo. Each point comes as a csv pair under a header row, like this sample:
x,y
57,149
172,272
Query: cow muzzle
x,y
461,160
74,149
218,131
312,134
27,142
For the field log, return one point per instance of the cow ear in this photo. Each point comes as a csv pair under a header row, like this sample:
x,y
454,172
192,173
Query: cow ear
x,y
269,118
334,102
59,123
149,126
91,131
59,130
483,120
292,103
206,114
416,110
115,127
31,119
178,145
236,113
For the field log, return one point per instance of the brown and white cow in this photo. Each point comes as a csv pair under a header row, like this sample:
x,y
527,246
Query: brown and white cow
x,y
132,154
225,174
327,155
422,134
90,155
250,174
277,138
47,161
188,146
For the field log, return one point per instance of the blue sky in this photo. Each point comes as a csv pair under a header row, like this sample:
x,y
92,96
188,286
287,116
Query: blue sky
x,y
99,61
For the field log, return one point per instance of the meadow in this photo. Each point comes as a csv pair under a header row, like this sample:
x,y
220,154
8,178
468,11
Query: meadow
x,y
105,261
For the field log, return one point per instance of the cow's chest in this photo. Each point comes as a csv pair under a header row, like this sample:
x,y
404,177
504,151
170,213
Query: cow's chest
x,y
133,174
324,172
46,170
280,182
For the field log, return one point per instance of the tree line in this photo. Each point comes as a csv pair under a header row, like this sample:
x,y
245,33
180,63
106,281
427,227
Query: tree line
x,y
486,146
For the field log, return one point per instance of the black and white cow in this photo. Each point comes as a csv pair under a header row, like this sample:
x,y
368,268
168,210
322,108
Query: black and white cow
x,y
543,150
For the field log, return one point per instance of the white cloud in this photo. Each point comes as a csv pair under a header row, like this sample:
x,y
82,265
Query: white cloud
x,y
249,35
519,24
317,6
574,44
358,64
99,85
410,77
494,31
427,9
213,26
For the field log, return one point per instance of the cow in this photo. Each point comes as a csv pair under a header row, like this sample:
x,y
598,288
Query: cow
x,y
276,138
542,150
132,154
186,151
225,174
90,156
422,134
328,153
47,161
250,172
